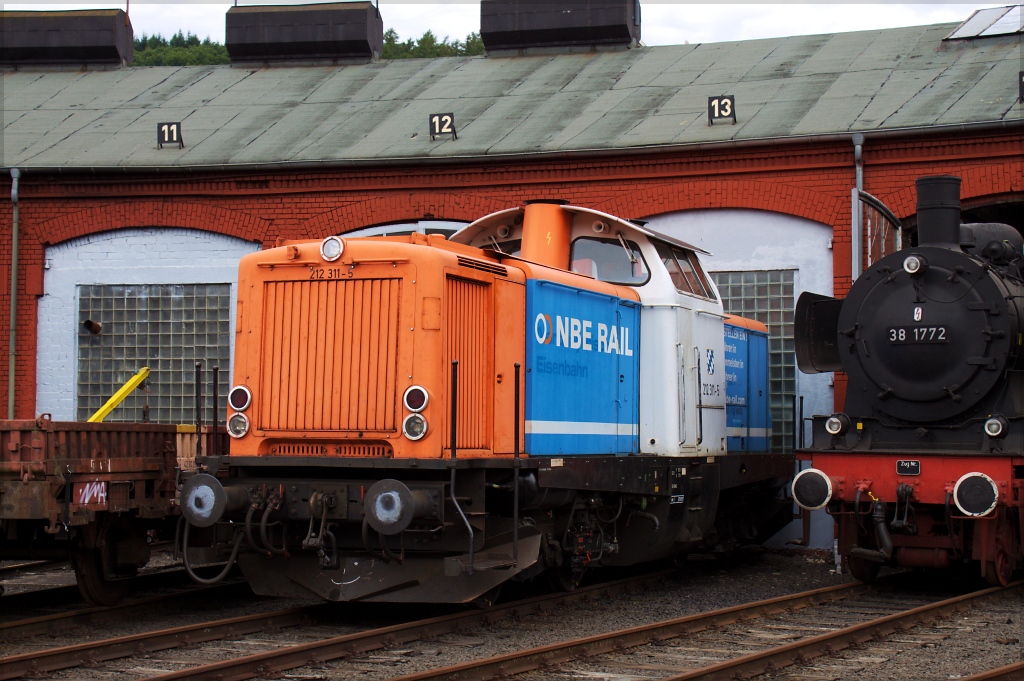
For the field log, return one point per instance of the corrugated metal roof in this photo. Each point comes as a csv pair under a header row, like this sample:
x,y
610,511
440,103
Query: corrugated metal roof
x,y
602,101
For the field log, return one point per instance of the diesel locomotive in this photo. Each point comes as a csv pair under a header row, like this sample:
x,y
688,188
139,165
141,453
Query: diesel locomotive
x,y
421,419
924,466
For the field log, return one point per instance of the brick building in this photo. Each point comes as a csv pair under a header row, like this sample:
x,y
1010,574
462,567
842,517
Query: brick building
x,y
142,239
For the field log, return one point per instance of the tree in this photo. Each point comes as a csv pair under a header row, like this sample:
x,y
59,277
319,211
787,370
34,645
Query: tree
x,y
428,46
180,50
185,49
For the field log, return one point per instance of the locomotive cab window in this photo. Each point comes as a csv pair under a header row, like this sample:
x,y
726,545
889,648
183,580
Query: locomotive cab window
x,y
685,271
612,260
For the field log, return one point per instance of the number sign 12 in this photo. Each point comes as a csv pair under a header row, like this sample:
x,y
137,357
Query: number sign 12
x,y
442,124
722,108
169,133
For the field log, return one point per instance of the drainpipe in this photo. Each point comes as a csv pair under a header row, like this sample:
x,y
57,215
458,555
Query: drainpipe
x,y
12,352
856,236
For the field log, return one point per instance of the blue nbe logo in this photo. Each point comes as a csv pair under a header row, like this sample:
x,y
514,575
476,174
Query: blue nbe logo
x,y
579,334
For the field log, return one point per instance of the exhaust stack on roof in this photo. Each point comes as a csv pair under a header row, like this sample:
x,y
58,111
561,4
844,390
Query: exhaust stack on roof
x,y
348,32
580,24
73,38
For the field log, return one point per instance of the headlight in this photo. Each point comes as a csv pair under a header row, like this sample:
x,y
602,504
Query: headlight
x,y
238,425
239,398
995,426
414,426
331,248
415,398
915,264
837,424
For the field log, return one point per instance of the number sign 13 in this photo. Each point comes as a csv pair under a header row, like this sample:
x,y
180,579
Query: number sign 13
x,y
169,133
442,124
722,108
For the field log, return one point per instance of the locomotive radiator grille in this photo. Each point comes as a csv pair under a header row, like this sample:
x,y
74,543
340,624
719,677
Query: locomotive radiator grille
x,y
365,451
330,352
468,338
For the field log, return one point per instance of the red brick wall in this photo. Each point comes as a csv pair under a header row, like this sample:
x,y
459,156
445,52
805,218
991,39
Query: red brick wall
x,y
806,180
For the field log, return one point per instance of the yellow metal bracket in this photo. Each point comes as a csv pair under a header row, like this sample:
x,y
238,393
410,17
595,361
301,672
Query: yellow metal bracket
x,y
119,396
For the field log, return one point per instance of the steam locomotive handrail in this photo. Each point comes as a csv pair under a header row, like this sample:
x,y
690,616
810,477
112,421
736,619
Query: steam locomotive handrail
x,y
881,208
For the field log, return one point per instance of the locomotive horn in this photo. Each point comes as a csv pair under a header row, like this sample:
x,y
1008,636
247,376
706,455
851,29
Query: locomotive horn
x,y
204,500
938,211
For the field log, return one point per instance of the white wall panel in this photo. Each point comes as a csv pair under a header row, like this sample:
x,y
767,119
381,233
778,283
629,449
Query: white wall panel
x,y
128,256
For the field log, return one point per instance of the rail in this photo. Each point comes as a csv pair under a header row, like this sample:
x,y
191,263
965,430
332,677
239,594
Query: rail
x,y
256,666
744,666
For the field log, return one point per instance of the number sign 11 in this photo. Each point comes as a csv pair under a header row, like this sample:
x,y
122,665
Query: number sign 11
x,y
169,133
442,124
722,108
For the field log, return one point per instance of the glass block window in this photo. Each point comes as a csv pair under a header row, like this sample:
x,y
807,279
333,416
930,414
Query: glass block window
x,y
166,327
767,296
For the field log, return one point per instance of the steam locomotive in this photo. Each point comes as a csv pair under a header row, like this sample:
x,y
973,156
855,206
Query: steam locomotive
x,y
924,467
421,419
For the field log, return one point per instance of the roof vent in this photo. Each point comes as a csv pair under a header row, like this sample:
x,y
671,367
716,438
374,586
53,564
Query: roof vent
x,y
584,24
345,32
95,36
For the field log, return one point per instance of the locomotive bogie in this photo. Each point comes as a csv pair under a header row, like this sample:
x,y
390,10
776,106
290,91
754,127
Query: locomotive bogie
x,y
576,513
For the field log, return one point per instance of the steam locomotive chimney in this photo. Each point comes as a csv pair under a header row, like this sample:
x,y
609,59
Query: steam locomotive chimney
x,y
547,232
938,211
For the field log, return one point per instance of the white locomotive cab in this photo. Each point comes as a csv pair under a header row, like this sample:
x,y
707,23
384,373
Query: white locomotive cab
x,y
682,378
682,362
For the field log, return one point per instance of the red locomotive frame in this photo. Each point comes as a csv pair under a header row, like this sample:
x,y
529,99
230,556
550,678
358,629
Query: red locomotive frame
x,y
859,480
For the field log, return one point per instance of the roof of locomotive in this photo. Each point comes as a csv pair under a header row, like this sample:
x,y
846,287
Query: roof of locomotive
x,y
467,234
578,103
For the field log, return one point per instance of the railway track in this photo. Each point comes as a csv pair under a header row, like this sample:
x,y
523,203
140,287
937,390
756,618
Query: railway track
x,y
94,652
13,573
311,641
99,616
68,600
724,644
713,645
6,570
1011,672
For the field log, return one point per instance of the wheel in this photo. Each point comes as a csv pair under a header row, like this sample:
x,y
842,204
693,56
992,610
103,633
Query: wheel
x,y
864,570
94,587
563,578
95,553
999,572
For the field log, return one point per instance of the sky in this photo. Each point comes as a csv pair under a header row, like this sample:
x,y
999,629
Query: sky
x,y
662,23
